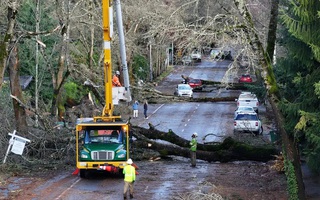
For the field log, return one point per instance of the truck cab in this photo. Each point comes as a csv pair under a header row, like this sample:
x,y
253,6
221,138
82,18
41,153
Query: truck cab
x,y
101,145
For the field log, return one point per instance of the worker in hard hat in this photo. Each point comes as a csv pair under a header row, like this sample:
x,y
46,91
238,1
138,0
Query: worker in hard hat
x,y
193,149
129,178
115,80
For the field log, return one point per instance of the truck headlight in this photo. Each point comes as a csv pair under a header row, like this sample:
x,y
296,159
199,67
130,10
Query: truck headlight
x,y
121,155
84,155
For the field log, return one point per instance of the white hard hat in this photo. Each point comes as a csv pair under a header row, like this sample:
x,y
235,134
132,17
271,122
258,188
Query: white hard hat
x,y
195,134
117,72
129,161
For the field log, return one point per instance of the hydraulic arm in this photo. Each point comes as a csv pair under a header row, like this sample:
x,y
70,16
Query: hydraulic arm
x,y
107,112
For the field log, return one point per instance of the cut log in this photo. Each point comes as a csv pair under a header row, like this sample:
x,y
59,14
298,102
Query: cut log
x,y
228,150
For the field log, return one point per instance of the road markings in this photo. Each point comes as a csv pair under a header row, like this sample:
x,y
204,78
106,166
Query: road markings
x,y
157,109
145,190
71,186
152,113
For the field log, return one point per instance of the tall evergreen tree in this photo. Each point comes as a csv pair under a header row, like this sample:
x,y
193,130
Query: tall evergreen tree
x,y
299,75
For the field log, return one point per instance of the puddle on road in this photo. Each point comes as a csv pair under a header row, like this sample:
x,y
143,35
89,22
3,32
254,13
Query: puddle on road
x,y
13,186
52,181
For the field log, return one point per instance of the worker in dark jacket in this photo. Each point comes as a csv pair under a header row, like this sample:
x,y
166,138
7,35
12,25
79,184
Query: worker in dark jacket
x,y
145,109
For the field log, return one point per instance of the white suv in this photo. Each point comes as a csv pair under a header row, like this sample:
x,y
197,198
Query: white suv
x,y
196,55
248,99
247,122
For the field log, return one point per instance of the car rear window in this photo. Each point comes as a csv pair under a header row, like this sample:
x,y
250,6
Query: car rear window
x,y
184,87
246,117
194,81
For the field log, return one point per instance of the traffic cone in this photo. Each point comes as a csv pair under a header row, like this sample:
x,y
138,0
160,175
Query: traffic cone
x,y
76,172
136,167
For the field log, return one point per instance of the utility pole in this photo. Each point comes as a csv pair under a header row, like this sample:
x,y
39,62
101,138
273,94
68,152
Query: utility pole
x,y
150,64
37,62
172,53
123,50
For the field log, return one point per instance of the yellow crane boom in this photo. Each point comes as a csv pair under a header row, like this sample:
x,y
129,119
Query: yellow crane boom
x,y
107,21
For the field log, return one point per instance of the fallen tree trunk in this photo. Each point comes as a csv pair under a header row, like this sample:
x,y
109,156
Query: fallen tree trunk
x,y
228,150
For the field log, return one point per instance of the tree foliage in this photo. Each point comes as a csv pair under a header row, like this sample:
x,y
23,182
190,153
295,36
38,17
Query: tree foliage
x,y
298,74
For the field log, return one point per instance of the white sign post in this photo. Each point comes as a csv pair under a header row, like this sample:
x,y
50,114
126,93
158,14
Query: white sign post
x,y
16,145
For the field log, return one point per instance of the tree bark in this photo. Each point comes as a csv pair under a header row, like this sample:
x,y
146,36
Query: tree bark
x,y
4,45
9,53
92,38
19,112
57,101
272,31
95,92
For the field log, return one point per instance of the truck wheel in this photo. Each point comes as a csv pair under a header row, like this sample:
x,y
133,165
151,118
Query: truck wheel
x,y
121,173
83,173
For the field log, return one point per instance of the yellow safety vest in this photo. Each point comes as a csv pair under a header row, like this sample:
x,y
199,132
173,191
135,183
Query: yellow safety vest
x,y
129,173
193,144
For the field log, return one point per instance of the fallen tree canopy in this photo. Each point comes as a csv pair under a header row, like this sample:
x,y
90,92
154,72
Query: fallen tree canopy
x,y
227,151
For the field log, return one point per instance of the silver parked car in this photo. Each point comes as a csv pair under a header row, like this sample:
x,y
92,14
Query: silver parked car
x,y
186,60
184,90
196,55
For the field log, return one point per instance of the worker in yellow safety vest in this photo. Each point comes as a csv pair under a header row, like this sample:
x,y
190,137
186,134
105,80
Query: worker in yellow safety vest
x,y
193,149
129,177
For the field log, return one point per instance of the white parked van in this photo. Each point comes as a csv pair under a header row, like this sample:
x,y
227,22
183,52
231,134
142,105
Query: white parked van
x,y
196,55
248,99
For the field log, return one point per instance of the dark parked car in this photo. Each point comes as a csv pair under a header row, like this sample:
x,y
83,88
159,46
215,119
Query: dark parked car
x,y
245,78
219,54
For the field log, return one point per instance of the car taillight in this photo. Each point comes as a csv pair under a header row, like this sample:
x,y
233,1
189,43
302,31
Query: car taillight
x,y
235,123
257,104
257,123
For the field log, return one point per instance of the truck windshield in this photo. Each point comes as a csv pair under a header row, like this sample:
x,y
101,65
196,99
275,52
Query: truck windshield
x,y
102,136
